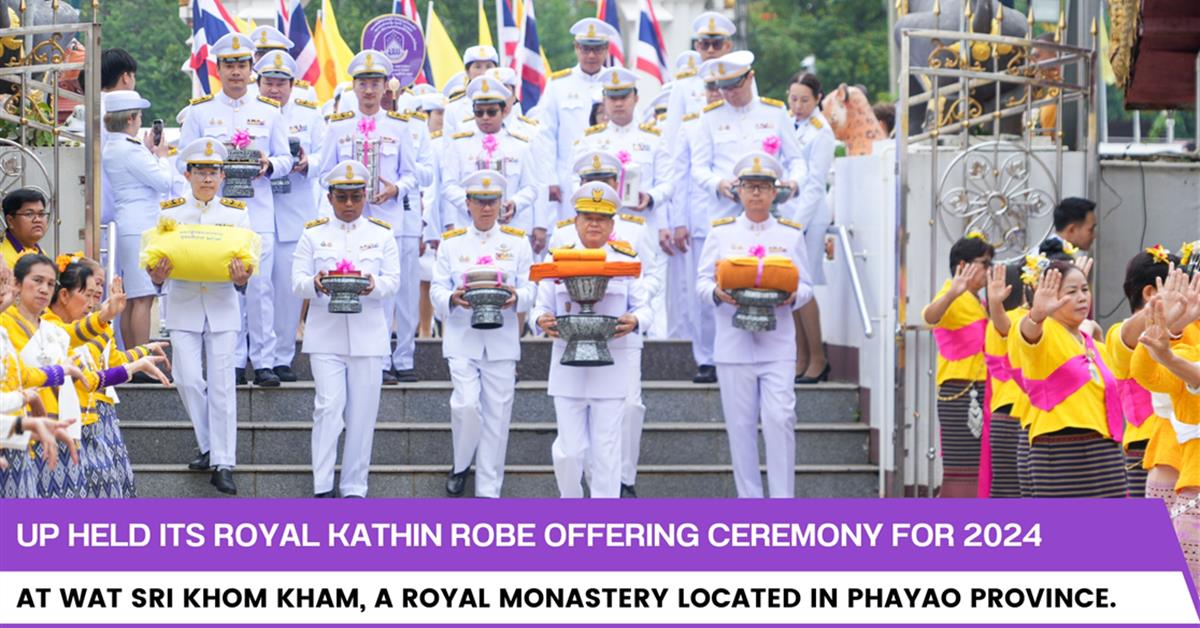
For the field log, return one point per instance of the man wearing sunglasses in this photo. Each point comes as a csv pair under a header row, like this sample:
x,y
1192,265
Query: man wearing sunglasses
x,y
712,38
477,60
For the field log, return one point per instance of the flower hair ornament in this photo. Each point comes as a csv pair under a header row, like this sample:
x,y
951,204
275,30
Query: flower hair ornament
x,y
66,259
1160,255
1035,265
1070,249
976,235
1185,252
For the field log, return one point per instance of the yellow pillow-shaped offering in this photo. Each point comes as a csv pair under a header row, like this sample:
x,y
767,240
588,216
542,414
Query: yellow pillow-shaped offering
x,y
200,252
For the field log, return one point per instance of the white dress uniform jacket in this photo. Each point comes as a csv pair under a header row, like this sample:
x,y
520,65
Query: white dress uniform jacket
x,y
465,155
203,306
563,112
644,146
136,181
398,156
817,145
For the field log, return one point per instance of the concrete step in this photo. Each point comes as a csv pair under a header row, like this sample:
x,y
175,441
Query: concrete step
x,y
837,480
289,442
665,401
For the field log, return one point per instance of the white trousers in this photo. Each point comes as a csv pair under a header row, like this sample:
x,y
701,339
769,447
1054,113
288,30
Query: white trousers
x,y
480,412
681,295
704,324
348,391
287,306
749,391
589,437
258,311
633,415
404,310
658,302
211,403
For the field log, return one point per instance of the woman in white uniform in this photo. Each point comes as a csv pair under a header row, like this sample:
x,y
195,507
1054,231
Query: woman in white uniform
x,y
811,209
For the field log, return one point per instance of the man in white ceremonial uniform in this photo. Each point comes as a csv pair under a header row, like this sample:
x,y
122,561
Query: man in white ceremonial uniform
x,y
564,108
633,231
739,124
231,113
516,121
757,368
400,175
477,60
588,401
487,145
406,315
483,362
712,38
347,350
269,38
433,105
205,318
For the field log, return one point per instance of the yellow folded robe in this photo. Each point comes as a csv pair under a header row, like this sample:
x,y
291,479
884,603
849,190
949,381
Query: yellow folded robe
x,y
200,252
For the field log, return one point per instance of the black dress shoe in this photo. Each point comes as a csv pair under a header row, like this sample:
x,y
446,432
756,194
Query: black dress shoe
x,y
354,496
265,378
822,377
456,483
327,494
223,480
285,373
239,377
200,463
389,377
706,374
627,491
407,376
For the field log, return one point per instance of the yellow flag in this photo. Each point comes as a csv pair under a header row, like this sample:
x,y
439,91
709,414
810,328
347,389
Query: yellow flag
x,y
333,55
1106,70
485,31
444,59
245,26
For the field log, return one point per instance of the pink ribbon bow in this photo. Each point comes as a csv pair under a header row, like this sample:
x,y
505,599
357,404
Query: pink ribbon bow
x,y
771,145
344,267
760,252
366,126
241,139
490,145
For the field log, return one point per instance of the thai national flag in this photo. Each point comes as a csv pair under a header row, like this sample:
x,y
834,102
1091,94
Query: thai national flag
x,y
289,19
530,68
407,8
210,22
510,35
606,11
651,51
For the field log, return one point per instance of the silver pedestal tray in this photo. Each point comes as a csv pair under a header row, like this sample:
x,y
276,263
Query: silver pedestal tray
x,y
344,291
586,333
486,303
241,166
756,308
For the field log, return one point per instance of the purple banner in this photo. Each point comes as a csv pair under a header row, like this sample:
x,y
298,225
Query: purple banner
x,y
401,40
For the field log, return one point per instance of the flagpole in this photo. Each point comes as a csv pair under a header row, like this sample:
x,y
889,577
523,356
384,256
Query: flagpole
x,y
499,37
520,49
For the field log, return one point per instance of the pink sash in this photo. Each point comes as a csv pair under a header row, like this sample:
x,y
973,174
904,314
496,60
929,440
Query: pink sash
x,y
1135,401
1046,394
1000,369
961,343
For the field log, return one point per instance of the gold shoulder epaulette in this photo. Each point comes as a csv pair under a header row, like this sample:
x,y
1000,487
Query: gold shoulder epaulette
x,y
691,116
723,221
420,115
520,233
650,128
453,233
200,99
270,101
462,134
456,96
172,151
302,84
518,136
634,219
559,225
132,139
713,105
381,223
772,102
344,115
436,134
468,118
623,248
316,223
529,121
559,74
396,115
685,74
236,204
592,130
816,122
306,103
791,223
175,202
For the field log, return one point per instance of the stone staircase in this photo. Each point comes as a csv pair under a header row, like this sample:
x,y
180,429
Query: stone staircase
x,y
684,448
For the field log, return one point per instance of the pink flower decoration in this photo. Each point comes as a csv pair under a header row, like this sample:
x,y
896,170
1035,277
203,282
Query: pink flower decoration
x,y
490,145
344,267
366,126
612,237
758,251
241,139
624,157
486,260
771,145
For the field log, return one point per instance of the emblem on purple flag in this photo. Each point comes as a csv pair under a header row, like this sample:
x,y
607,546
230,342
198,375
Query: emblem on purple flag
x,y
401,40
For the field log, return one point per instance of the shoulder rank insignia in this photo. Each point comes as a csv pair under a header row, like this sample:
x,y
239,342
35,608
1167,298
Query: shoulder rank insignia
x,y
560,224
623,248
381,223
816,122
436,134
713,105
518,136
691,116
561,73
528,120
468,118
395,115
634,219
650,128
133,140
685,74
520,233
791,223
723,221
229,202
772,102
270,101
462,134
175,202
453,233
344,115
302,84
316,223
592,130
305,103
420,115
456,96
200,99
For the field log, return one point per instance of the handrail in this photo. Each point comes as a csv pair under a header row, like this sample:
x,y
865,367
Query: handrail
x,y
843,236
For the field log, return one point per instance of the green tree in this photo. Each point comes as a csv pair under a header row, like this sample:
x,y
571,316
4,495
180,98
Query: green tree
x,y
153,33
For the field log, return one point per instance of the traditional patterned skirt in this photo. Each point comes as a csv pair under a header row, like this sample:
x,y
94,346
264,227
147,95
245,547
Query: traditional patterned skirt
x,y
101,476
960,448
1135,473
1187,528
1024,480
111,432
1075,462
67,479
1003,438
19,480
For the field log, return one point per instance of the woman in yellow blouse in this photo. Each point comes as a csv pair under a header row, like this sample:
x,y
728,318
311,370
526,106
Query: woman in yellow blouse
x,y
959,325
999,475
